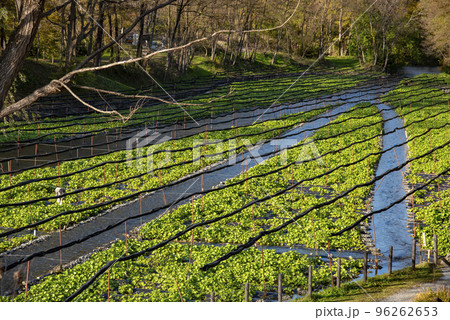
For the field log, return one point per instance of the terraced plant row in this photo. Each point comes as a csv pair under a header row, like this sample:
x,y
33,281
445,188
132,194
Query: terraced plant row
x,y
174,270
430,208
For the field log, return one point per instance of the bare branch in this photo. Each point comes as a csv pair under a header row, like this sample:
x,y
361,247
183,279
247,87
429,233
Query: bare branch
x,y
139,96
54,86
48,13
112,112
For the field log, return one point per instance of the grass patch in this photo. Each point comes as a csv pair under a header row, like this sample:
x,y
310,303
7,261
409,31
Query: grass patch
x,y
34,76
442,295
101,82
343,62
378,287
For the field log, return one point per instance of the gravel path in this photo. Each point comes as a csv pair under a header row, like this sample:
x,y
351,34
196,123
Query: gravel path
x,y
409,294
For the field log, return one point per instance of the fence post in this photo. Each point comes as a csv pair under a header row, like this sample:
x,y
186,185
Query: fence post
x,y
310,281
212,296
390,260
435,250
413,256
109,276
365,266
280,287
247,289
338,273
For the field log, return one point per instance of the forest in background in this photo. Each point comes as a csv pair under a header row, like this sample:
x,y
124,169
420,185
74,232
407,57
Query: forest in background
x,y
77,33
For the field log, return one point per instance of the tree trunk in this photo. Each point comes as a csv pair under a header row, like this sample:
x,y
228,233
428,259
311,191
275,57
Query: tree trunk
x,y
116,33
91,33
152,33
2,39
99,37
277,47
341,13
322,30
213,48
19,43
70,34
141,32
110,24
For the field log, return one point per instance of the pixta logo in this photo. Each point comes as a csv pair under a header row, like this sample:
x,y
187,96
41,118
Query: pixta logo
x,y
143,147
256,153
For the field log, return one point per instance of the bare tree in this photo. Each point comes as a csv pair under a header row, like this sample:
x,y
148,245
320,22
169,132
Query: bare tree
x,y
60,84
29,13
436,19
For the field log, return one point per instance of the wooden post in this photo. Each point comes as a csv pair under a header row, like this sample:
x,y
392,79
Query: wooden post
x,y
310,281
212,296
178,288
390,260
330,262
233,118
247,289
413,255
60,244
56,147
35,155
338,273
435,250
280,288
109,274
18,143
107,140
365,267
126,244
140,212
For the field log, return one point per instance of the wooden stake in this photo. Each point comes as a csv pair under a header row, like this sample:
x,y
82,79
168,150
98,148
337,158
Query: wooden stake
x,y
246,293
390,260
18,142
435,257
109,277
263,273
310,290
338,273
212,296
10,182
178,288
280,288
365,267
375,244
56,148
59,176
140,210
413,255
330,262
233,118
35,155
31,211
192,238
107,140
126,242
60,243
104,180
